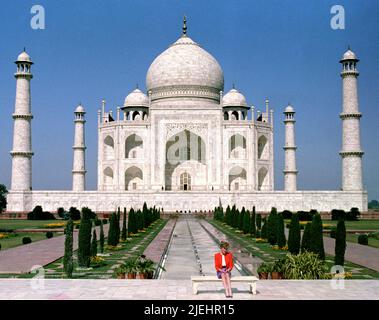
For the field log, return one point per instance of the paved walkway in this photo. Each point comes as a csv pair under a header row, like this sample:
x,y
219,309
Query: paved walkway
x,y
54,289
191,252
21,259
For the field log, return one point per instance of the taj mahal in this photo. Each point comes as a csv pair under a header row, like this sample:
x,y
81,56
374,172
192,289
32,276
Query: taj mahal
x,y
186,145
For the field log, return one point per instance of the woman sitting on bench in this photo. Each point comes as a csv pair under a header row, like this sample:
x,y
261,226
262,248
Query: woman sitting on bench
x,y
224,266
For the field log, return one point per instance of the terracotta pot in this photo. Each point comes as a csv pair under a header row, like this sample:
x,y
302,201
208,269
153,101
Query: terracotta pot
x,y
131,275
121,276
141,275
276,275
263,275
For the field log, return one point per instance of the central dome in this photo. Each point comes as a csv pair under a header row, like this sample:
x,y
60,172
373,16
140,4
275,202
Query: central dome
x,y
185,69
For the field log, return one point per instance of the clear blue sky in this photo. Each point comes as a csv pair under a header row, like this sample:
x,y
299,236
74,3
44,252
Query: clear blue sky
x,y
285,50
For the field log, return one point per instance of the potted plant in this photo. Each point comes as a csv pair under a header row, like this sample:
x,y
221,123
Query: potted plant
x,y
130,266
263,270
120,272
277,269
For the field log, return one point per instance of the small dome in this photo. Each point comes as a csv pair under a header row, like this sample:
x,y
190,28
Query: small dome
x,y
289,108
23,57
136,99
234,99
349,55
80,109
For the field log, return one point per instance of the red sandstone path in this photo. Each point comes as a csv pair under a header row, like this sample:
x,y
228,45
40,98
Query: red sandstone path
x,y
21,259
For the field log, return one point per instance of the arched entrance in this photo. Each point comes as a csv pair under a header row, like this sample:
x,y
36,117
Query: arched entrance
x,y
185,160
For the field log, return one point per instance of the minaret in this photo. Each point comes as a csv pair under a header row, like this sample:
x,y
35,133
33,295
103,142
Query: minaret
x,y
351,152
290,172
22,132
79,172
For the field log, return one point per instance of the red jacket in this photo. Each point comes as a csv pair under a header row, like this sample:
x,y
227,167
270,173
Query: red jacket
x,y
228,260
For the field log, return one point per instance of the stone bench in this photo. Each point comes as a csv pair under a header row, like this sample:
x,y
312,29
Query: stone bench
x,y
196,280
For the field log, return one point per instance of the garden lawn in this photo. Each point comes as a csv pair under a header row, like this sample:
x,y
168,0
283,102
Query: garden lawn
x,y
372,242
16,239
15,224
268,254
357,225
135,247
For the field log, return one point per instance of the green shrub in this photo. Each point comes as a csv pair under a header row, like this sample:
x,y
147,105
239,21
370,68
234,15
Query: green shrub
x,y
272,227
287,214
363,239
340,245
306,265
280,236
94,244
264,230
112,232
68,264
333,232
105,221
49,234
252,224
26,240
0,246
306,239
246,221
265,267
102,238
3,197
39,214
97,222
259,221
124,231
294,235
317,240
74,213
278,265
84,248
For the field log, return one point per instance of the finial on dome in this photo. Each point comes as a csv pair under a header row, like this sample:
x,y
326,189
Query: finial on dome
x,y
24,49
234,85
184,26
348,47
137,85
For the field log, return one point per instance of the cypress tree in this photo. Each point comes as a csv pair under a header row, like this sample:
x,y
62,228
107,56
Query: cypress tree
x,y
294,235
317,240
306,240
131,222
101,237
94,244
272,226
117,226
259,221
112,232
241,218
68,263
281,237
264,230
84,248
246,222
340,247
123,235
227,215
252,227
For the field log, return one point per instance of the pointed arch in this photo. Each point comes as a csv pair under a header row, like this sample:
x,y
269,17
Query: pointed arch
x,y
237,178
108,148
133,146
133,178
263,153
237,146
262,179
108,178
